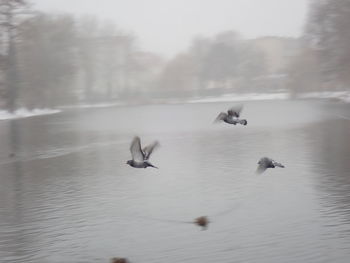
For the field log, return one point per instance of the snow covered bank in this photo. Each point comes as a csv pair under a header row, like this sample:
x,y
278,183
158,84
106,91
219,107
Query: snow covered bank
x,y
96,105
243,97
25,113
343,96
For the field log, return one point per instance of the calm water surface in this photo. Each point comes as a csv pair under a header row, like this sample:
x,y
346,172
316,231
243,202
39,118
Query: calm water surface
x,y
68,196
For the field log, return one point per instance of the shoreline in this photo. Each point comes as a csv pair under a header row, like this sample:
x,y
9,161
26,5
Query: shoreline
x,y
340,96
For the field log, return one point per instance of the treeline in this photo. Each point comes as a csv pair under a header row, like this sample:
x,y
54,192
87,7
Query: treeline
x,y
324,61
223,63
48,60
64,60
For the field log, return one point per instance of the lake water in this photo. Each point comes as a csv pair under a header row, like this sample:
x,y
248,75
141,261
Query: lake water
x,y
67,195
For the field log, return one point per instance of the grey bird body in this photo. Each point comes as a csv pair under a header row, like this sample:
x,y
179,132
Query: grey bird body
x,y
144,164
140,156
232,116
265,163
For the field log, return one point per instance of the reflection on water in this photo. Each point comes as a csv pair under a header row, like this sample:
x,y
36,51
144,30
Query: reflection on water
x,y
332,161
66,195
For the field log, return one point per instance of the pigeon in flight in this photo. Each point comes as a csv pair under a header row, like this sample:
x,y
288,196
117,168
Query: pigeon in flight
x,y
265,163
232,116
235,111
140,156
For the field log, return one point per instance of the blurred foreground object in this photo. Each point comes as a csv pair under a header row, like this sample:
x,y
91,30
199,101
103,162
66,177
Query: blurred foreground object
x,y
119,260
202,221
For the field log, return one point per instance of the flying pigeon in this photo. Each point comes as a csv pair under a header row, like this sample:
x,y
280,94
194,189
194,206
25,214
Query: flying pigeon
x,y
232,116
235,111
265,163
140,156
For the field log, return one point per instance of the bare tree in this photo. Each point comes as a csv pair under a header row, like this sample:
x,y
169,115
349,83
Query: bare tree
x,y
222,59
179,76
10,10
304,72
88,50
212,66
48,60
327,32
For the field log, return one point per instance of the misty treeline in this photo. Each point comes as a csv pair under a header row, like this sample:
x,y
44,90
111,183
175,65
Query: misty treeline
x,y
61,59
223,63
323,63
49,60
58,59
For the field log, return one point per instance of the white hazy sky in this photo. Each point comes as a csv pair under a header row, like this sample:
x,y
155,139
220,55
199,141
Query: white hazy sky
x,y
167,26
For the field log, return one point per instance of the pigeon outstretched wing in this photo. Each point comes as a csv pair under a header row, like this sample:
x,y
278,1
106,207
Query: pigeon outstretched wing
x,y
220,117
235,111
135,149
263,164
147,151
261,169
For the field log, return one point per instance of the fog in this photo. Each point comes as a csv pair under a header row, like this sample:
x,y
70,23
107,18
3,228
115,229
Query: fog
x,y
206,97
59,54
167,27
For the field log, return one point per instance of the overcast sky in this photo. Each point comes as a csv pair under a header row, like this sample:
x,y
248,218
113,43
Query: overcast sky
x,y
167,26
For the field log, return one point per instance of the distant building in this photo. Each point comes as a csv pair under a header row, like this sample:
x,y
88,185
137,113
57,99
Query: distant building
x,y
278,52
